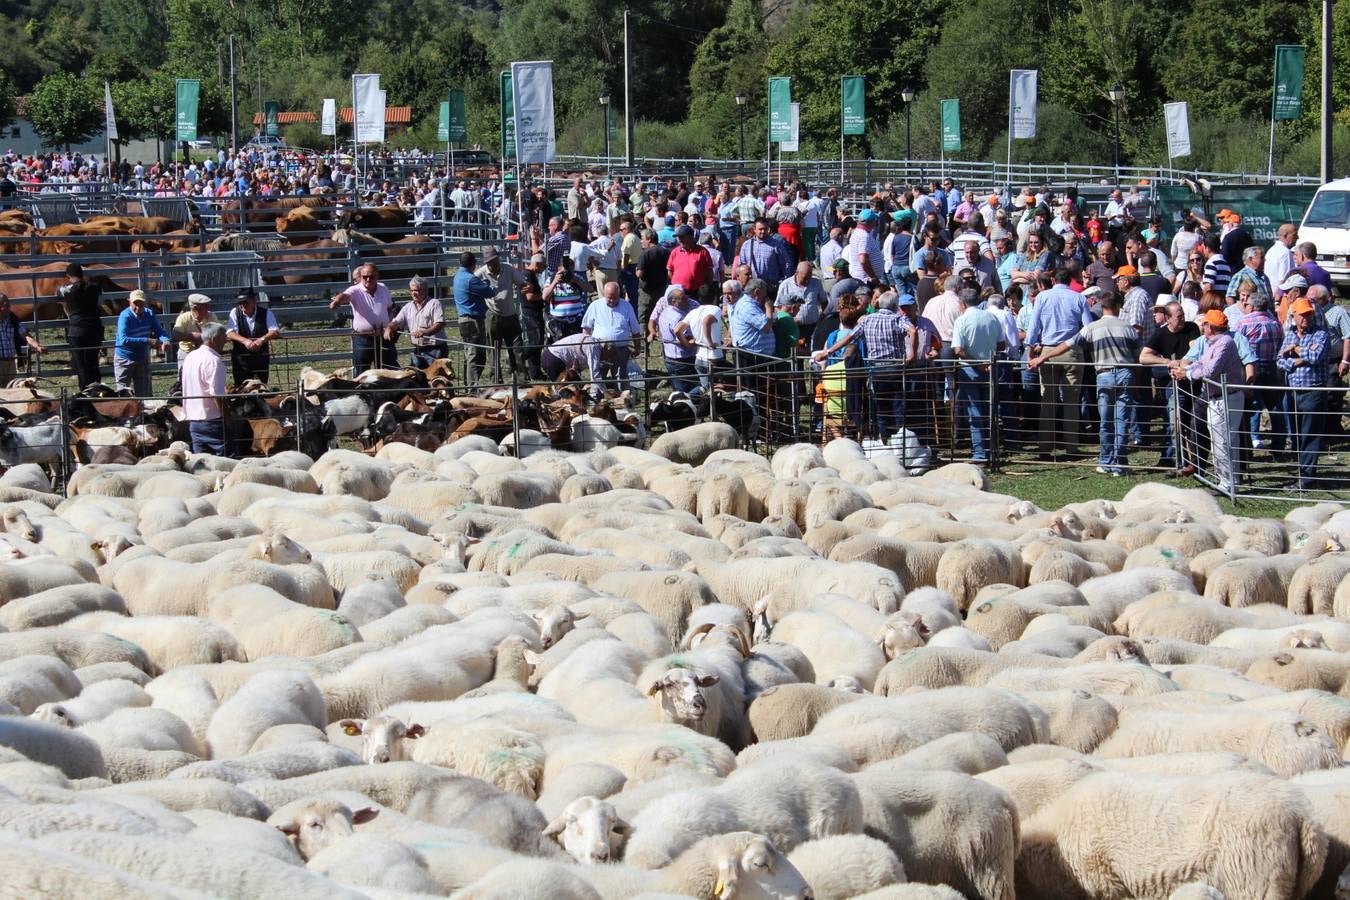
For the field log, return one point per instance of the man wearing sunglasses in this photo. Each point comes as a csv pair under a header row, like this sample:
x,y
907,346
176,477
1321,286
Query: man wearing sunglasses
x,y
372,310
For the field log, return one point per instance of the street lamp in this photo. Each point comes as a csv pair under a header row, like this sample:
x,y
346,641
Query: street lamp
x,y
604,107
907,95
740,114
1117,94
159,138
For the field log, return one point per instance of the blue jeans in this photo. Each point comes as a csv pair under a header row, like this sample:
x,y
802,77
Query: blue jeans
x,y
628,278
729,235
1311,423
1272,399
425,356
903,278
1113,414
972,392
372,351
887,390
208,436
682,374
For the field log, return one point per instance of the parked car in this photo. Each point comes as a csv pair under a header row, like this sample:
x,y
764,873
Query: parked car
x,y
266,142
202,144
1327,225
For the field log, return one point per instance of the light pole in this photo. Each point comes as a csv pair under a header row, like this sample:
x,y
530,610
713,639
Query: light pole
x,y
604,108
1117,97
740,114
159,138
907,95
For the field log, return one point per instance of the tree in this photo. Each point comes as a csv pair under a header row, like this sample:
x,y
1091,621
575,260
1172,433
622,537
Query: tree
x,y
6,100
730,60
1221,58
884,42
64,110
125,25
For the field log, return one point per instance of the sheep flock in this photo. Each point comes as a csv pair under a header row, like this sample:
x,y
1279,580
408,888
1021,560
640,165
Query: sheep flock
x,y
684,671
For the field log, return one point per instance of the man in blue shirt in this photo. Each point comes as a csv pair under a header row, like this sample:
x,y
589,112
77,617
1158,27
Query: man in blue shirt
x,y
767,256
977,336
752,323
1059,314
138,332
471,296
610,320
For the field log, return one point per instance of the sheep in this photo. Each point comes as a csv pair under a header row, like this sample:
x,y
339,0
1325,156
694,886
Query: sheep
x,y
845,866
1248,582
832,646
590,830
1247,835
792,710
639,754
789,803
969,565
169,641
266,699
95,702
75,754
1284,741
695,443
945,828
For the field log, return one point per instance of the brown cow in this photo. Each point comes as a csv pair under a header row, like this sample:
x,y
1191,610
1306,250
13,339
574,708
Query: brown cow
x,y
298,225
107,237
139,224
378,217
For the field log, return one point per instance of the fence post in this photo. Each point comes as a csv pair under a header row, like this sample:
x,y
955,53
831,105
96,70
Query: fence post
x,y
994,431
65,443
299,414
515,409
1177,425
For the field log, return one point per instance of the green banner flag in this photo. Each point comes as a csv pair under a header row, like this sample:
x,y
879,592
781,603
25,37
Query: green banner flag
x,y
852,102
508,119
187,94
443,123
1264,208
457,123
272,118
951,126
1287,102
780,109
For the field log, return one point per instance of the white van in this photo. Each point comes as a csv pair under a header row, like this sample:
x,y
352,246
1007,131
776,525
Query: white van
x,y
1327,225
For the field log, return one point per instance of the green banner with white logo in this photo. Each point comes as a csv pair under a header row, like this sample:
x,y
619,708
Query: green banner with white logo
x,y
443,122
852,93
780,109
1288,100
272,118
508,119
458,124
187,93
951,126
611,125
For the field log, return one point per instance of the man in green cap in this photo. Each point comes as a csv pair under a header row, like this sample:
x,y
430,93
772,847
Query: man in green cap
x,y
841,285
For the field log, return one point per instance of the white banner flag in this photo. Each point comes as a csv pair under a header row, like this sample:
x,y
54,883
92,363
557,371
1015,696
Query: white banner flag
x,y
791,146
1022,108
109,123
328,121
532,93
1177,116
367,110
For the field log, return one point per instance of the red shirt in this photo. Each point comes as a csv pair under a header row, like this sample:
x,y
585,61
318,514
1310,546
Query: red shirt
x,y
690,269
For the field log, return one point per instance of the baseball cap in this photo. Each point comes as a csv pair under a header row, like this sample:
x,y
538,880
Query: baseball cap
x,y
137,296
684,231
867,215
905,300
1093,291
539,258
489,253
1126,272
198,300
1163,300
1301,305
1294,280
670,220
839,263
901,215
993,200
1215,318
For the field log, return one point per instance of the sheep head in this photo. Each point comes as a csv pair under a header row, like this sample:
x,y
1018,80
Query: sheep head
x,y
281,551
18,524
847,683
1306,638
750,866
682,693
554,622
590,830
715,635
384,737
315,824
56,713
902,631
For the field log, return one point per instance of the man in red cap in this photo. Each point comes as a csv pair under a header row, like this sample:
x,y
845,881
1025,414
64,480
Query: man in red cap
x,y
1220,370
1303,359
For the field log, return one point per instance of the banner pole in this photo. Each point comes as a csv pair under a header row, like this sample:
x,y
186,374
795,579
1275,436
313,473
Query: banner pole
x,y
1010,133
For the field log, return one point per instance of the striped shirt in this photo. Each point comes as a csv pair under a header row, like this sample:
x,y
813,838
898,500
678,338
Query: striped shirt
x,y
862,244
885,334
1217,273
1137,310
1113,342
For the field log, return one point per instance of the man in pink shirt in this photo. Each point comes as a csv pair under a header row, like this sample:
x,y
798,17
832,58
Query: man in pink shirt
x,y
204,381
372,310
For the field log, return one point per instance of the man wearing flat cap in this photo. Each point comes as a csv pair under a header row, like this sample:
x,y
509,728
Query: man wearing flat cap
x,y
251,330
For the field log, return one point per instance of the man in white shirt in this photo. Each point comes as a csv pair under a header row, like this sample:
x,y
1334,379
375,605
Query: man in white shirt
x,y
203,382
831,250
702,328
1280,256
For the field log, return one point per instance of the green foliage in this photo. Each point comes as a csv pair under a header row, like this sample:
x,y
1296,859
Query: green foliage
x,y
64,109
1221,58
885,42
6,100
306,134
730,60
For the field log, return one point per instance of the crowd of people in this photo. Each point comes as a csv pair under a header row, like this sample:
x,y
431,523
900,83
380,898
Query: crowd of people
x,y
1024,306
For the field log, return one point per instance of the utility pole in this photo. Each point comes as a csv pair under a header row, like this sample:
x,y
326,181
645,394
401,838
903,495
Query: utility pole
x,y
628,87
1326,91
234,105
